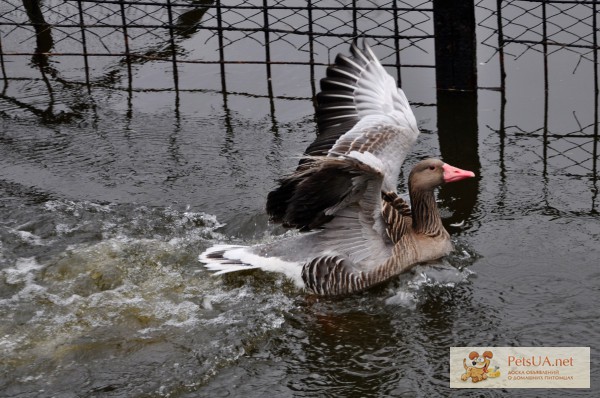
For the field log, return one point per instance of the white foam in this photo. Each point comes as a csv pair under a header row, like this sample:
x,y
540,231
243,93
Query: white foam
x,y
403,298
207,304
432,274
9,342
440,275
75,207
22,272
62,229
30,238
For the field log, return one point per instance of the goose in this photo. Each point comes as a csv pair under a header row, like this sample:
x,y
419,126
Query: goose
x,y
355,231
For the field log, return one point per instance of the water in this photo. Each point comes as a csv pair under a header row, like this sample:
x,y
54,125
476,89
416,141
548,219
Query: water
x,y
107,200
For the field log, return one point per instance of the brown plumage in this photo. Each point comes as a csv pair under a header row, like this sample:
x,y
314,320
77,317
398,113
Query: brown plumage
x,y
416,236
357,232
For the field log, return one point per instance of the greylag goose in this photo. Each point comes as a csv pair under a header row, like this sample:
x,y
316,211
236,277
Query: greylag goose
x,y
356,231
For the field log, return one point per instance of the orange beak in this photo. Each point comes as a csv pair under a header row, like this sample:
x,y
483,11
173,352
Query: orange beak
x,y
452,173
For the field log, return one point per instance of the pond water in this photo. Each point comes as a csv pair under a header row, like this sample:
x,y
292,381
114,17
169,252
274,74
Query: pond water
x,y
105,206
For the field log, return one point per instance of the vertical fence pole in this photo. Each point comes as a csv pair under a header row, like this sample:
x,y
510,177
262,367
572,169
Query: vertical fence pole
x,y
456,78
266,28
84,45
4,77
226,111
397,44
596,92
455,45
501,46
311,48
173,55
354,19
502,131
221,46
267,44
128,61
545,53
127,51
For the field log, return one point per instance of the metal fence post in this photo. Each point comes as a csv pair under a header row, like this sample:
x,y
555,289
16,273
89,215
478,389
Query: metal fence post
x,y
456,79
455,45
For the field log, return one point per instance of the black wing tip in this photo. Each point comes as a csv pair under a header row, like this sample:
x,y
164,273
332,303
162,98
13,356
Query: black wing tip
x,y
338,88
300,200
216,254
341,78
363,50
279,198
353,64
287,205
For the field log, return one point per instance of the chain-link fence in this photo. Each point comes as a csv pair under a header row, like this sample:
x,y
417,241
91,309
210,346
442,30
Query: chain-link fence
x,y
108,43
98,36
561,38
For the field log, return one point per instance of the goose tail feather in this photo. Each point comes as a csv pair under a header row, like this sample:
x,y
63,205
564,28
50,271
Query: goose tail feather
x,y
223,259
218,259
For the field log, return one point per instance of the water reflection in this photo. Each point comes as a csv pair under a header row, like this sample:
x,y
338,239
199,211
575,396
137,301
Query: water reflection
x,y
458,130
42,30
187,22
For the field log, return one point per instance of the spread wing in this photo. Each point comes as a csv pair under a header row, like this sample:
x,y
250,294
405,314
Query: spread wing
x,y
356,87
342,196
314,194
360,108
356,263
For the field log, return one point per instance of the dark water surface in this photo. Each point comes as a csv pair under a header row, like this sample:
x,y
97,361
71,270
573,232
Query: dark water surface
x,y
106,204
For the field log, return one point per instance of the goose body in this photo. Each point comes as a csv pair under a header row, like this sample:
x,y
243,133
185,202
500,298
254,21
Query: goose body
x,y
356,231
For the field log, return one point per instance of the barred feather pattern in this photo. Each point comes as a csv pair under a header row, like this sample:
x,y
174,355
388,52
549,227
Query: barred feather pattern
x,y
417,236
374,140
397,216
426,218
334,275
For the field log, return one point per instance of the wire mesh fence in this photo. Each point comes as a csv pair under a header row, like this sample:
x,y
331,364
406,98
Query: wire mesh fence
x,y
101,34
110,43
561,37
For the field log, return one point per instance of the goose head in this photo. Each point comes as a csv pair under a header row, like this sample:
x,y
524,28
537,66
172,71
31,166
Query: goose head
x,y
429,174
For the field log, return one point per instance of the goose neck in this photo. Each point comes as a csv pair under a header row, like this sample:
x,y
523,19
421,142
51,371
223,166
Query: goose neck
x,y
425,213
